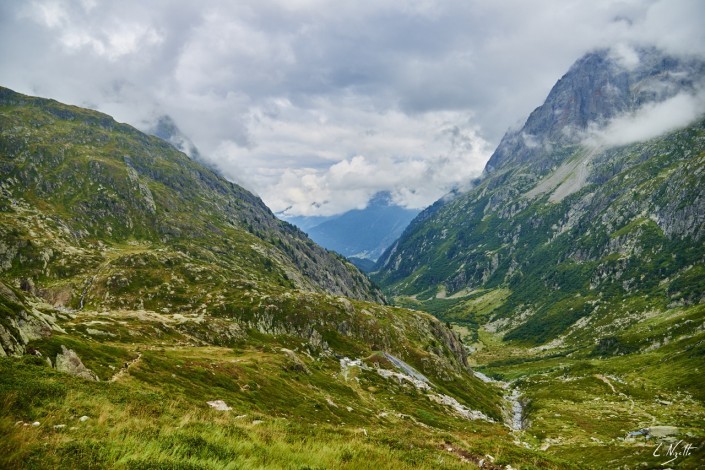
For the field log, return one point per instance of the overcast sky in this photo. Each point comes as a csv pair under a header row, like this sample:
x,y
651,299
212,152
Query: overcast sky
x,y
316,105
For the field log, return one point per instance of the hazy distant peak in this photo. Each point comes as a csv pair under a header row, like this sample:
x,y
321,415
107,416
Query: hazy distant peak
x,y
382,198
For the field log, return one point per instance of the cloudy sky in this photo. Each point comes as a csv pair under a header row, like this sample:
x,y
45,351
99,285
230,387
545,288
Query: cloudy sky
x,y
317,105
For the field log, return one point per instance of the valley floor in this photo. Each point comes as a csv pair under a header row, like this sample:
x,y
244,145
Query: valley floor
x,y
640,410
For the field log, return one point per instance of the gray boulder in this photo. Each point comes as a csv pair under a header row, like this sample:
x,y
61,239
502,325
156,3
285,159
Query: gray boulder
x,y
68,361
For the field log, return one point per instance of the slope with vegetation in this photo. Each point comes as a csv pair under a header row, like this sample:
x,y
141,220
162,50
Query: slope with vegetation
x,y
561,231
575,267
153,315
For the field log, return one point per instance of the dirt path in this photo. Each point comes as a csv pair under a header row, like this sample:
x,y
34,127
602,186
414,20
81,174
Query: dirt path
x,y
607,381
125,368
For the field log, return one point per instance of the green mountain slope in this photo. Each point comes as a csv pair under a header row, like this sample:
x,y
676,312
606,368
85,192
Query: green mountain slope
x,y
631,238
576,271
573,233
84,196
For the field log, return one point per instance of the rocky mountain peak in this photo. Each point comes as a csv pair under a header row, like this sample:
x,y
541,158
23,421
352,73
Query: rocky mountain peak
x,y
601,85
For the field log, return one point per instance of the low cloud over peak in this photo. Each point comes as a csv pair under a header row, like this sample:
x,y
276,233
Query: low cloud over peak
x,y
651,120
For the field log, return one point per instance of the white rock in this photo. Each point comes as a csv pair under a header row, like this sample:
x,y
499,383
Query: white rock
x,y
219,405
83,419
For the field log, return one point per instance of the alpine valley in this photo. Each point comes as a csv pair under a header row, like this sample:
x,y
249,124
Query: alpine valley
x,y
575,266
154,315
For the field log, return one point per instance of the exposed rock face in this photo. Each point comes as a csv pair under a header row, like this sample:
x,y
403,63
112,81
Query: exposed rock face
x,y
68,361
20,323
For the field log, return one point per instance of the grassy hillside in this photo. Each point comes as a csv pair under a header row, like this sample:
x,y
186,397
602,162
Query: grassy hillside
x,y
83,196
628,240
293,402
123,260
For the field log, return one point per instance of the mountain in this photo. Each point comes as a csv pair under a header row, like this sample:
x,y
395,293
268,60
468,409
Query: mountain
x,y
575,267
154,315
74,180
166,129
363,264
559,224
362,233
597,88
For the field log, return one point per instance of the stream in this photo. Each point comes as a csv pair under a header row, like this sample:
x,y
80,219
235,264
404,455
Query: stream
x,y
515,420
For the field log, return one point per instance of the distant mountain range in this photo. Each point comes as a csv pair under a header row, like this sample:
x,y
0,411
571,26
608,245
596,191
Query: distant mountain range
x,y
360,234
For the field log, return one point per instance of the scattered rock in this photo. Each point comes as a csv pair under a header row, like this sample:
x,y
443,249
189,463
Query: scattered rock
x,y
59,426
219,405
83,418
458,408
663,431
331,403
294,363
35,424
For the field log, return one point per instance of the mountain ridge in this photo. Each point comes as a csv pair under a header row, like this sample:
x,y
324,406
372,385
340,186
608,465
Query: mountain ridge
x,y
575,273
550,215
597,88
138,193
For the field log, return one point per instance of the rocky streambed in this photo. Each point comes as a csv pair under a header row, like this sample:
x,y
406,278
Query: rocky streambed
x,y
514,411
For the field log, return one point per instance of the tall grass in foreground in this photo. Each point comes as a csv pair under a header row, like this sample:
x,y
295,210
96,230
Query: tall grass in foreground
x,y
130,426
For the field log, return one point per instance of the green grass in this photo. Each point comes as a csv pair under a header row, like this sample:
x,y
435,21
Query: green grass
x,y
156,417
580,406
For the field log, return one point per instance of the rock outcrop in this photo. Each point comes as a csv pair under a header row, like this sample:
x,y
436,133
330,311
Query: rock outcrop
x,y
20,322
67,361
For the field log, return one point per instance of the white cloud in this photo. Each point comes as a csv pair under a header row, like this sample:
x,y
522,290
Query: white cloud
x,y
651,120
625,55
49,13
299,160
283,95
